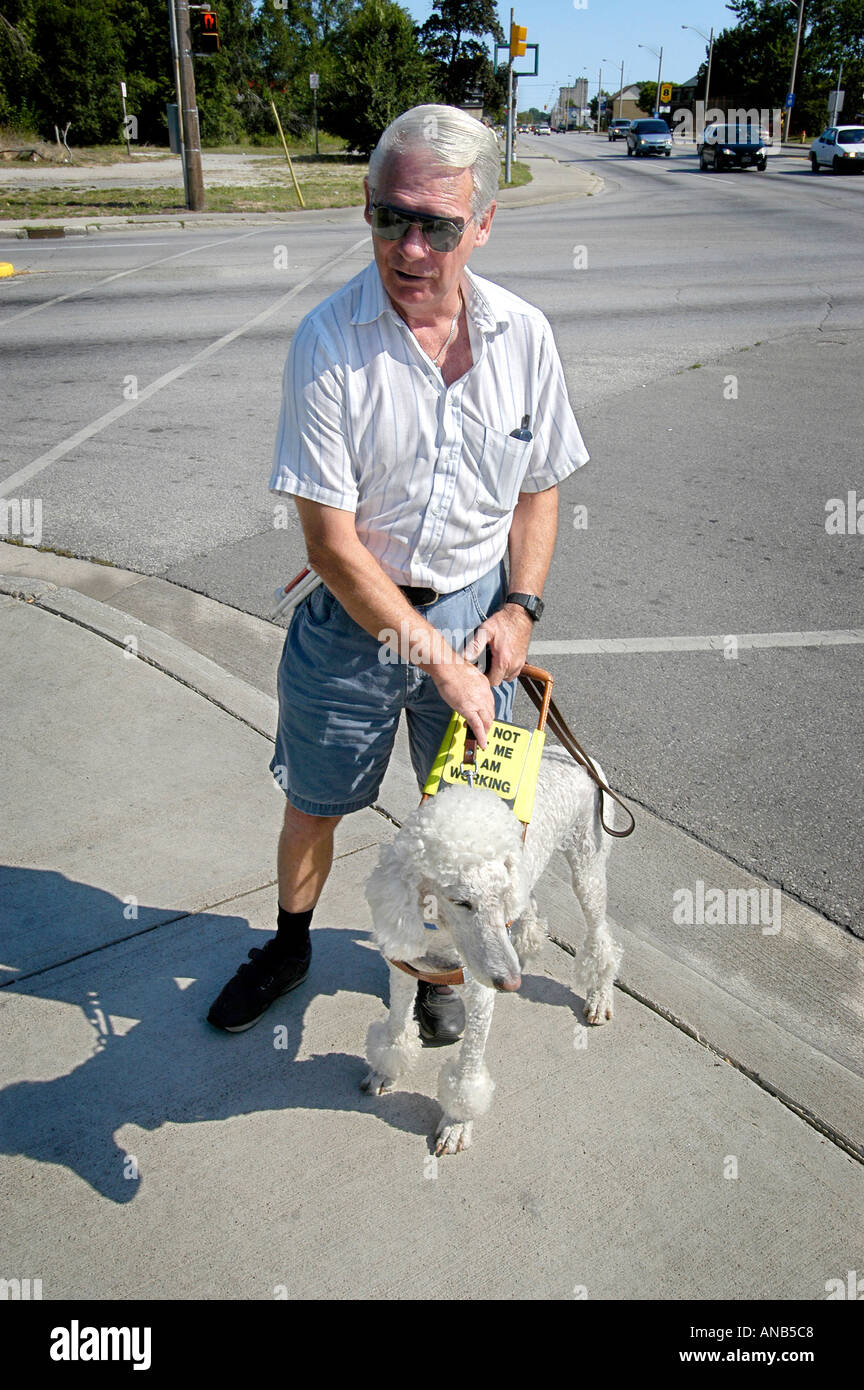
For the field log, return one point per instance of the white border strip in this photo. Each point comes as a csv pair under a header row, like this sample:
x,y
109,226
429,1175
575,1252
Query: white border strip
x,y
839,637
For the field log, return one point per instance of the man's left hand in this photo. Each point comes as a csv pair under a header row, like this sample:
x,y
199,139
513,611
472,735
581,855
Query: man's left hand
x,y
507,634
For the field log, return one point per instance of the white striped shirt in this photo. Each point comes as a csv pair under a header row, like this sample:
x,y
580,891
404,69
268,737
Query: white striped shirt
x,y
431,471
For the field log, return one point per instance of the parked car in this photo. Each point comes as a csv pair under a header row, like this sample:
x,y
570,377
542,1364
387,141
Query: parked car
x,y
840,147
732,147
651,136
618,130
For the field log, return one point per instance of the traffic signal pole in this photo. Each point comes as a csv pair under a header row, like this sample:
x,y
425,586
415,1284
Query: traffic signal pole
x,y
508,152
191,138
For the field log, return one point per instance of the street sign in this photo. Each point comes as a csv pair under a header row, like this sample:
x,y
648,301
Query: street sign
x,y
665,91
790,101
835,101
313,80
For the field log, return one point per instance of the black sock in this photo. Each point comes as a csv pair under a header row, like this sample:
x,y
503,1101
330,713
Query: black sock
x,y
292,934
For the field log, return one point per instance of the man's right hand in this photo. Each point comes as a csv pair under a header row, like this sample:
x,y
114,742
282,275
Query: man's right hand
x,y
465,689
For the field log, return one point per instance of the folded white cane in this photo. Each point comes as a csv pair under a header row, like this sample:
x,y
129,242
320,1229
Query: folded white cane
x,y
294,592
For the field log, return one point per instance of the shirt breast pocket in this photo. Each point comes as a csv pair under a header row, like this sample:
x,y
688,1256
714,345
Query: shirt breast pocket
x,y
502,466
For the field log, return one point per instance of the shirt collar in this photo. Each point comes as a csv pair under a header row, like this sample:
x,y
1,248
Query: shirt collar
x,y
374,302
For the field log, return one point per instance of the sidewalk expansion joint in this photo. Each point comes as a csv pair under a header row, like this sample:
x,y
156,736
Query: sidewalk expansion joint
x,y
808,1116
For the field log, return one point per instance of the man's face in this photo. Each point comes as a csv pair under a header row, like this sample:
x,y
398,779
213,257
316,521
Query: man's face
x,y
422,282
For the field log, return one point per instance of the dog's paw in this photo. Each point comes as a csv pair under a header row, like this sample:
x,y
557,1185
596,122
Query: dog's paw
x,y
376,1084
453,1136
598,1006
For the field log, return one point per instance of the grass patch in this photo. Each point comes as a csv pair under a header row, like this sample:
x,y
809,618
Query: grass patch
x,y
327,184
521,174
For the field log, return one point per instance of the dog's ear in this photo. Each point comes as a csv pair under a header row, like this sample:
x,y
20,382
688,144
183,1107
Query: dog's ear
x,y
394,893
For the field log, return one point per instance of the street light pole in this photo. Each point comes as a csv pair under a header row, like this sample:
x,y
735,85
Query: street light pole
x,y
659,70
794,67
710,42
621,86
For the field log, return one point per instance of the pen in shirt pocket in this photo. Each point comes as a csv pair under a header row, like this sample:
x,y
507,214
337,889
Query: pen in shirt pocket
x,y
523,431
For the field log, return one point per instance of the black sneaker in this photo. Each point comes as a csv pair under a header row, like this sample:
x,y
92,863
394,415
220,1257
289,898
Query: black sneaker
x,y
439,1013
257,983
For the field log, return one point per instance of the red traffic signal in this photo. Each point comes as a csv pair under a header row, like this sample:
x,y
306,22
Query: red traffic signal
x,y
209,38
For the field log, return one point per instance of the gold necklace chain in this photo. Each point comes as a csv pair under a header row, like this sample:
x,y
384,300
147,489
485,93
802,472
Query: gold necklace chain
x,y
448,340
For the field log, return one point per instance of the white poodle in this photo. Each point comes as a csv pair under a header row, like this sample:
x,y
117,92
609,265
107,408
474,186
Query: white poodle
x,y
460,858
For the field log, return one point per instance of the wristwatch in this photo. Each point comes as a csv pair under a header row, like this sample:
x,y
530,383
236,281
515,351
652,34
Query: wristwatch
x,y
530,602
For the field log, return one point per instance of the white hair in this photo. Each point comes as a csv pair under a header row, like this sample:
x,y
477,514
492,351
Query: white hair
x,y
454,140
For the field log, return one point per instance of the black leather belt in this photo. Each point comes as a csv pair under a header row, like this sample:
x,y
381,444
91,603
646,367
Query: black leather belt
x,y
418,596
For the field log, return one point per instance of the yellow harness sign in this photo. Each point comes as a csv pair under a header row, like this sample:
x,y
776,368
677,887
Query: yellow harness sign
x,y
508,765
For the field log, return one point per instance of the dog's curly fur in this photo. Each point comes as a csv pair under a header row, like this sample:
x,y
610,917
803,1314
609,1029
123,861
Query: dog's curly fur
x,y
459,860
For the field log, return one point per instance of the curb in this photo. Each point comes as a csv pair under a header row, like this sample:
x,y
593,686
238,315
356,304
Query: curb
x,y
167,654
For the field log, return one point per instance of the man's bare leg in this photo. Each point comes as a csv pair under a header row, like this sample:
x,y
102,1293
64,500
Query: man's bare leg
x,y
304,857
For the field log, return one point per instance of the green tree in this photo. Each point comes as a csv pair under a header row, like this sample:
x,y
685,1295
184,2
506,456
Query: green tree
x,y
646,100
142,30
378,73
78,70
18,64
753,60
295,39
454,40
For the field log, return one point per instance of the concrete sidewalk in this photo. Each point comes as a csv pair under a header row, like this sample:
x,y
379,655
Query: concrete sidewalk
x,y
706,1144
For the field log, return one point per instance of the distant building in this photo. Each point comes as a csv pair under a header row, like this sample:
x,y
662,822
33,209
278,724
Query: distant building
x,y
570,104
624,104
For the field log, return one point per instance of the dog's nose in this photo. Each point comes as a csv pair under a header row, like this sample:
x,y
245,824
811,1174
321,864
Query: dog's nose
x,y
508,986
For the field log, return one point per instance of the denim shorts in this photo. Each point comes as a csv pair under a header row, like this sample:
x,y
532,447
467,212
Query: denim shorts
x,y
339,702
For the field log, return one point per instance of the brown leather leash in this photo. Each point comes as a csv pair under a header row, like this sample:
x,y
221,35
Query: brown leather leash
x,y
537,683
531,679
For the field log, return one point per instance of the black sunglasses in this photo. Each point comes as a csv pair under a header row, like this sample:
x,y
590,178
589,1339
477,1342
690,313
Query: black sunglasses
x,y
440,233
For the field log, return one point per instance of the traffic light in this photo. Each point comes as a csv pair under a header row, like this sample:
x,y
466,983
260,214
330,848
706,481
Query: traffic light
x,y
518,35
209,38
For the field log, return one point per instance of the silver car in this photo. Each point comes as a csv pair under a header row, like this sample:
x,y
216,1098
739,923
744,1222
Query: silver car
x,y
651,136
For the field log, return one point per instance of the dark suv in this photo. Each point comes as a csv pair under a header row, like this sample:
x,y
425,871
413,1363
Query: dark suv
x,y
650,136
732,147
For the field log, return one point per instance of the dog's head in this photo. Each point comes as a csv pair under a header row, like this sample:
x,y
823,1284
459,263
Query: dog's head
x,y
462,848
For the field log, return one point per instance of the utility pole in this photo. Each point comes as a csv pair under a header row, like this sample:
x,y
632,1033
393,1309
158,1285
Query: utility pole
x,y
193,176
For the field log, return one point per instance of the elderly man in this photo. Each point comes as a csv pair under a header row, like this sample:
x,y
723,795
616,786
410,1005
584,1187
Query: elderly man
x,y
425,426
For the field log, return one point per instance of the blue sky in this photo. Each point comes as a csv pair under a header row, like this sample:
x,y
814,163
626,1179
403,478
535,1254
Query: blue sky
x,y
572,40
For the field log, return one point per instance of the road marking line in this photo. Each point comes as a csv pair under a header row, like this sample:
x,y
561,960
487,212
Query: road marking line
x,y
81,436
119,275
839,637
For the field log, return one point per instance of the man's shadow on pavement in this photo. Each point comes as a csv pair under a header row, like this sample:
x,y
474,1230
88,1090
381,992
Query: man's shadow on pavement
x,y
172,1065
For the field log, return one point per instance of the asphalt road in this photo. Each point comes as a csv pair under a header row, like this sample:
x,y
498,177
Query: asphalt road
x,y
712,330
